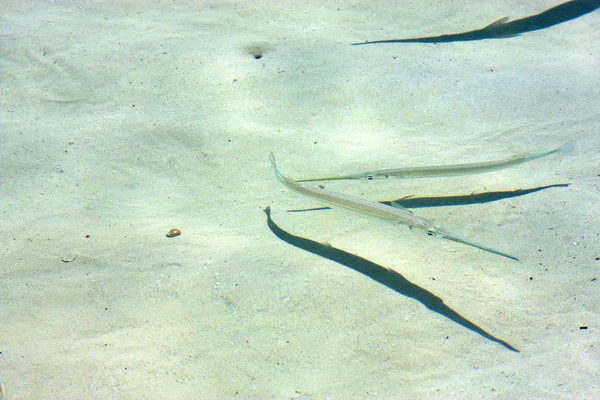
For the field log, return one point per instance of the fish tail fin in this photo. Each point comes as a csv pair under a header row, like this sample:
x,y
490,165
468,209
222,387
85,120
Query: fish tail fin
x,y
278,174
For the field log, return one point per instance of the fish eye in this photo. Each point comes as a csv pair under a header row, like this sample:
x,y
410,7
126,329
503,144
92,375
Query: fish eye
x,y
431,232
370,177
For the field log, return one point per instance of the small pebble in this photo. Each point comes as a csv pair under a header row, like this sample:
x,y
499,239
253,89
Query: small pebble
x,y
173,233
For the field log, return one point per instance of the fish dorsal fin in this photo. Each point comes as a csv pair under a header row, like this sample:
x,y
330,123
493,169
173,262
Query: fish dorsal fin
x,y
497,23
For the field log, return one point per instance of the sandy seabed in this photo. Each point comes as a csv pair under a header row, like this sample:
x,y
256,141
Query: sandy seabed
x,y
122,120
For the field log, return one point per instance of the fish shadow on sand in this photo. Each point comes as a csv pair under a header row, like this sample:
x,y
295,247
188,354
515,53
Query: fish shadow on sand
x,y
460,200
502,28
387,277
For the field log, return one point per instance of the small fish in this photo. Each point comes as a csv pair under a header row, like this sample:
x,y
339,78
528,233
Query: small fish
x,y
502,28
395,214
436,171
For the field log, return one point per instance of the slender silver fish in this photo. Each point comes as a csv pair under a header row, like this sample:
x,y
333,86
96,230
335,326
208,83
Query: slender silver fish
x,y
373,209
444,170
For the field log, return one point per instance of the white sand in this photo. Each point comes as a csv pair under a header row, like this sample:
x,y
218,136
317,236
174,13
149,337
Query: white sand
x,y
123,120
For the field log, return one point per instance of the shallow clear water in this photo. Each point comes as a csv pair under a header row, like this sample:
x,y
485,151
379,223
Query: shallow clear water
x,y
121,121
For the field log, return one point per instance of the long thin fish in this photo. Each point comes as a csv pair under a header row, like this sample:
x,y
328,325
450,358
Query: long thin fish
x,y
436,171
373,209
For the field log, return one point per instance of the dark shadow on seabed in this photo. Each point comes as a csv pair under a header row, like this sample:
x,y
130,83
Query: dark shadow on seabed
x,y
386,277
502,28
461,200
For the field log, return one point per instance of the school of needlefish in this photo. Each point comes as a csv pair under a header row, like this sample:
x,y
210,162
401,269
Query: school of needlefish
x,y
401,215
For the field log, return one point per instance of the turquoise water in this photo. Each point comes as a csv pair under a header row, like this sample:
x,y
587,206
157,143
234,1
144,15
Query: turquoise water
x,y
122,121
